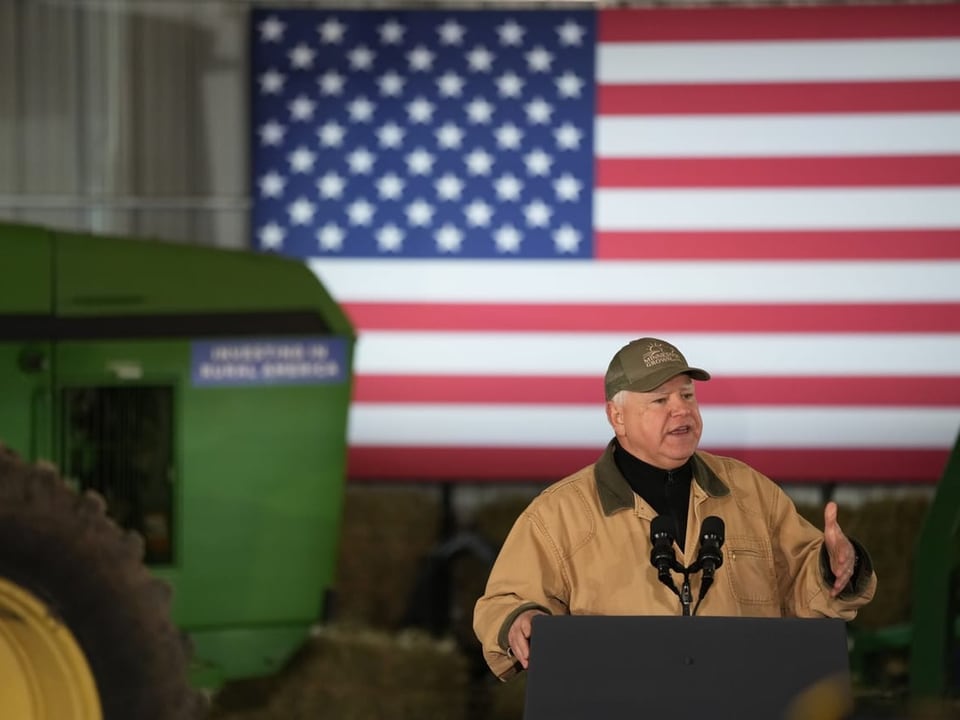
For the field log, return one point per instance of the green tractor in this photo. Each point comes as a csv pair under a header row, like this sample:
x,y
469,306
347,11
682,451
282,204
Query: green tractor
x,y
173,429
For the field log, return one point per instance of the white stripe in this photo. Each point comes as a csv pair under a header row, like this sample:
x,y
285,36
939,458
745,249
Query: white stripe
x,y
578,426
771,61
752,209
548,282
723,354
777,135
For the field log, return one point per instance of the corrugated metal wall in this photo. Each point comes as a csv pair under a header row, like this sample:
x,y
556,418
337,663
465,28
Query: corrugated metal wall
x,y
125,117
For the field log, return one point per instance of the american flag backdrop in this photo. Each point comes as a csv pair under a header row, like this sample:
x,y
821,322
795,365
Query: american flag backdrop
x,y
502,199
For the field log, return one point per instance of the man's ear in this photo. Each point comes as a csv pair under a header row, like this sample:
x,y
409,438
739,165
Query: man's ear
x,y
615,417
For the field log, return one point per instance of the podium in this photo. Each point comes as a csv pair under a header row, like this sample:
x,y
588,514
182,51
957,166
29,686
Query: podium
x,y
591,667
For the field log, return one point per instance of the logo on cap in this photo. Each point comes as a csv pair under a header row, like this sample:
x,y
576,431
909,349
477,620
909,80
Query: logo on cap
x,y
657,354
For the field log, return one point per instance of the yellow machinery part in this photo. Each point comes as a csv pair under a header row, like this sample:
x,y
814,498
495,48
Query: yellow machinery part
x,y
43,672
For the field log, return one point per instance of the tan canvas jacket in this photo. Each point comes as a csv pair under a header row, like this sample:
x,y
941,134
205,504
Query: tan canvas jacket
x,y
583,547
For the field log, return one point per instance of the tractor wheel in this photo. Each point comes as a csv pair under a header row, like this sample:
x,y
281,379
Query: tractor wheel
x,y
85,629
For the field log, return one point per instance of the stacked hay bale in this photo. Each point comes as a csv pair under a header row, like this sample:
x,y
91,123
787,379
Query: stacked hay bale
x,y
386,533
889,529
357,674
363,663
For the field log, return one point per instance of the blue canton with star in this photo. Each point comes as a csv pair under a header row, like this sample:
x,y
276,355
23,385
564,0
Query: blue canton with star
x,y
423,134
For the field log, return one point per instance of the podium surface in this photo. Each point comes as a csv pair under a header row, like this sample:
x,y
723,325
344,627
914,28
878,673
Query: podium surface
x,y
613,668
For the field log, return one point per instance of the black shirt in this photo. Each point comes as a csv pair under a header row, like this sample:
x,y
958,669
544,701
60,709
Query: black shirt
x,y
666,491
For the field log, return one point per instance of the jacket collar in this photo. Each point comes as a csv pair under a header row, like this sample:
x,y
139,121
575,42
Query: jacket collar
x,y
616,494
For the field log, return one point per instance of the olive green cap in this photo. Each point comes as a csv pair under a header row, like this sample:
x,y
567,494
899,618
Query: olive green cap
x,y
645,364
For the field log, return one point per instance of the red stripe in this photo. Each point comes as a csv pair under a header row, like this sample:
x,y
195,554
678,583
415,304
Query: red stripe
x,y
784,245
657,318
736,390
781,97
779,23
550,464
778,171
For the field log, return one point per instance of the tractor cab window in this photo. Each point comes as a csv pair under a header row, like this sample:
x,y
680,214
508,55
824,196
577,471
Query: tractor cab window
x,y
118,441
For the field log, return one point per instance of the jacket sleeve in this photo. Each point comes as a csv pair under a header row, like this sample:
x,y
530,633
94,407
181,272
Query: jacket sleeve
x,y
803,574
528,574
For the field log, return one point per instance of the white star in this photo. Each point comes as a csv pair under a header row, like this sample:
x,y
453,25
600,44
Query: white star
x,y
479,162
420,59
331,83
301,160
390,135
568,137
272,184
301,211
361,57
391,83
566,239
449,238
451,33
508,187
360,161
507,239
360,212
391,32
331,31
419,162
450,84
360,109
538,111
390,238
567,187
538,162
331,134
480,59
478,213
479,111
301,108
420,111
510,84
271,29
272,132
271,236
510,33
390,186
449,187
271,82
419,213
538,59
571,33
537,213
509,136
569,85
301,56
331,185
449,136
330,237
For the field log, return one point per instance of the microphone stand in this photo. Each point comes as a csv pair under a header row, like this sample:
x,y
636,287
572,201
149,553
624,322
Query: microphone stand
x,y
685,594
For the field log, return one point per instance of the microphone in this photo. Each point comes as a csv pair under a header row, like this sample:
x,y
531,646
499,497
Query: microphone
x,y
663,556
709,556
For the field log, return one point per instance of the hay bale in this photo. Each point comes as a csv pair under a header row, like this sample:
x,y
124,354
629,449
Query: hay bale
x,y
385,534
506,699
888,528
357,674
